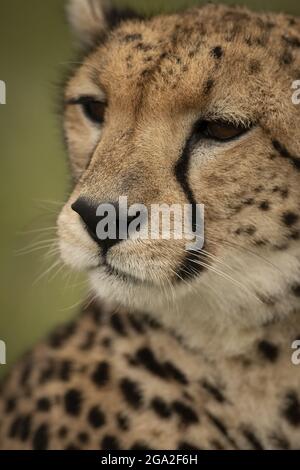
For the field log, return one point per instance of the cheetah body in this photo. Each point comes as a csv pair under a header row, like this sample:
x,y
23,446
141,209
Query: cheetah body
x,y
112,380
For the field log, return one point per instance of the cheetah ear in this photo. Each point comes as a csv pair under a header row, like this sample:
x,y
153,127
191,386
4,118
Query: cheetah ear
x,y
91,19
87,19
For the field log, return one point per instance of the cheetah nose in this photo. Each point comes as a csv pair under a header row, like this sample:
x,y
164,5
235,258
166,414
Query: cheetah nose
x,y
87,210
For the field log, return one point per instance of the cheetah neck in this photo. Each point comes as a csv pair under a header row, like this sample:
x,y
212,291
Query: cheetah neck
x,y
219,315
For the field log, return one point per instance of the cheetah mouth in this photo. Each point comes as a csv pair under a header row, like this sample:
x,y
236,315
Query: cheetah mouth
x,y
187,271
117,273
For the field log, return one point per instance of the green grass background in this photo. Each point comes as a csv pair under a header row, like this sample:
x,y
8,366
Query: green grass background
x,y
35,47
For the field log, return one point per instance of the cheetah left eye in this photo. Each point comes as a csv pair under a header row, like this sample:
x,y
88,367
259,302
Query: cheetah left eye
x,y
220,131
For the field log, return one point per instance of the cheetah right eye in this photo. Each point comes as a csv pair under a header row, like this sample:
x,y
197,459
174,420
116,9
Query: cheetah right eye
x,y
93,109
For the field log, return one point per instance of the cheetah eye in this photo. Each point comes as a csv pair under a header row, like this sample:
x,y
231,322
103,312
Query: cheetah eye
x,y
220,131
93,109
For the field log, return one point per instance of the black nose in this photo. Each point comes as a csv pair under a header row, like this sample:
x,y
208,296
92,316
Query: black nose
x,y
88,213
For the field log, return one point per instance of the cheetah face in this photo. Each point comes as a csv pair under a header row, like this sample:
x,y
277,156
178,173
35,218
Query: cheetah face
x,y
189,108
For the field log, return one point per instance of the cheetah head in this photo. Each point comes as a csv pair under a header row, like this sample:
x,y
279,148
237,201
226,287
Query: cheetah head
x,y
190,108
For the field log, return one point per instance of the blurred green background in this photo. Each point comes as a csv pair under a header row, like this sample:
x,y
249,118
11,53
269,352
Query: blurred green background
x,y
35,47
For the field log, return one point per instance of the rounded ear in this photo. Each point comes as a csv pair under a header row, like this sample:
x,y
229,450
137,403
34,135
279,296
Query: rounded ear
x,y
91,19
87,19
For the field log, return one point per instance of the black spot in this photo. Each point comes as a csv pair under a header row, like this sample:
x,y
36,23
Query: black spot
x,y
136,324
123,421
15,426
10,405
25,427
96,313
161,407
73,401
43,404
296,290
96,417
208,86
139,445
286,58
83,437
183,445
254,66
290,218
216,445
100,377
291,409
292,41
252,439
25,374
213,391
221,427
174,373
72,447
60,336
146,357
110,443
47,373
268,350
284,193
186,395
107,342
132,393
118,324
280,442
295,235
250,230
185,412
217,52
41,438
65,370
265,206
63,432
151,322
131,361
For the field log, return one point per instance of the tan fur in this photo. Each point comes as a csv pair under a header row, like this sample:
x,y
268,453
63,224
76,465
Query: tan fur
x,y
159,77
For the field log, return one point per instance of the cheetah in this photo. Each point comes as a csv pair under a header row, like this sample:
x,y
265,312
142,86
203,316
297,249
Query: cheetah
x,y
176,349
